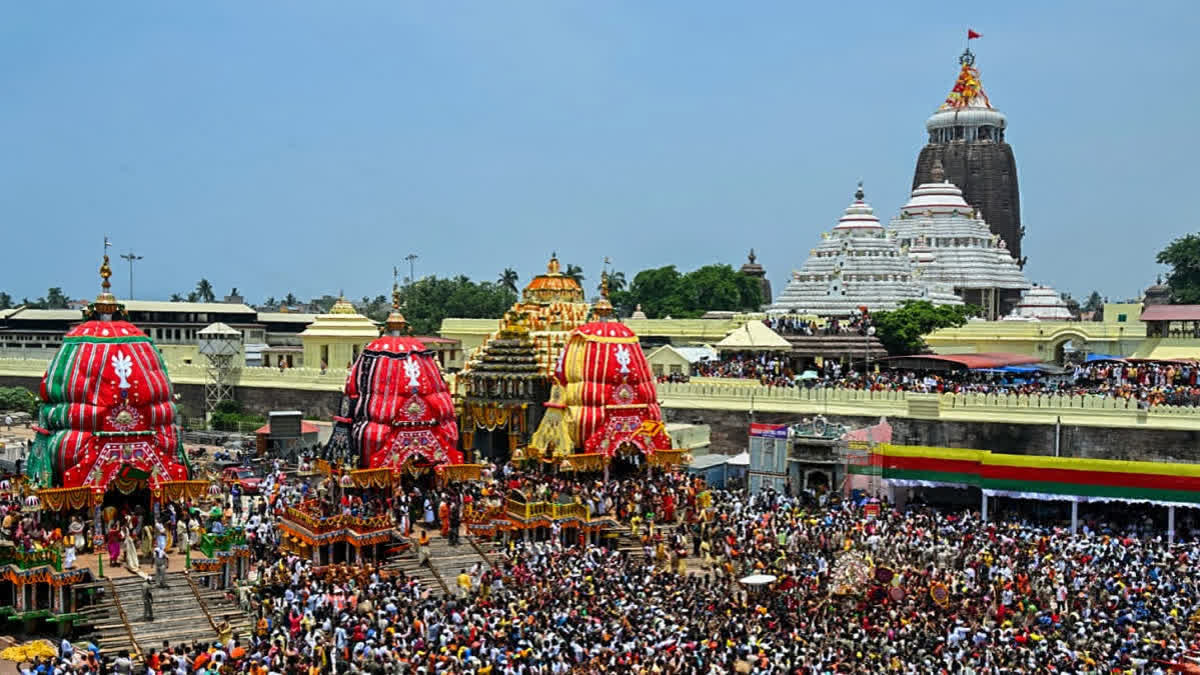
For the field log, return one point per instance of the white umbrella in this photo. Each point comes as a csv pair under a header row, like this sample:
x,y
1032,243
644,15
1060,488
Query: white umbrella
x,y
758,579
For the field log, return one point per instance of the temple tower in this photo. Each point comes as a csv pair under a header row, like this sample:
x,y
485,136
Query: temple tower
x,y
967,135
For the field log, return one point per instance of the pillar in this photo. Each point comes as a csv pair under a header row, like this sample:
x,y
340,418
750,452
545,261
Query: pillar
x,y
1074,517
1170,524
316,554
983,511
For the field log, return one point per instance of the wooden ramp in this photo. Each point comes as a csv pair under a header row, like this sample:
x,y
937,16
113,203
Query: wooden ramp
x,y
185,611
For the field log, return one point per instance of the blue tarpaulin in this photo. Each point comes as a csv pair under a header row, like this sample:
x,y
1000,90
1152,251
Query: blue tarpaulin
x,y
1103,357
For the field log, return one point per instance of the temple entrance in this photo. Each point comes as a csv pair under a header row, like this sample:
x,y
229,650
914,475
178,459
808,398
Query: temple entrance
x,y
117,505
627,461
491,445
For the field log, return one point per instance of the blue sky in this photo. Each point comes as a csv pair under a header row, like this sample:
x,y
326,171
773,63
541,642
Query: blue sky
x,y
309,146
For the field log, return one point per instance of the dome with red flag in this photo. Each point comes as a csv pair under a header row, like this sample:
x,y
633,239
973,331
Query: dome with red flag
x,y
396,409
604,399
108,416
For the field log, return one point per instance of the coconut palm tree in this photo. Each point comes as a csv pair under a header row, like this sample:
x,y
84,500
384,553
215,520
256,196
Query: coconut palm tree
x,y
290,300
616,282
575,272
508,279
204,291
175,297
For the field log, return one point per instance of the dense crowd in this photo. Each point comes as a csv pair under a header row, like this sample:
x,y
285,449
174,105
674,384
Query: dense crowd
x,y
858,588
1147,383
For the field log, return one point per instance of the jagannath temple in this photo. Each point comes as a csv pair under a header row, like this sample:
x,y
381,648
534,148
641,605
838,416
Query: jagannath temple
x,y
396,413
950,244
507,379
603,404
855,266
967,137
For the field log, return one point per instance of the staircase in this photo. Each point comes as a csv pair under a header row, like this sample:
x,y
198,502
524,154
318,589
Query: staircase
x,y
184,611
445,562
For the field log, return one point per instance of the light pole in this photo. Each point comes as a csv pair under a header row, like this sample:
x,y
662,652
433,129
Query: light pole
x,y
131,258
867,349
411,258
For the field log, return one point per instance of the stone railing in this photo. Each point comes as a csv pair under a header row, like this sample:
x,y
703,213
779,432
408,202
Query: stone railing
x,y
331,379
1087,410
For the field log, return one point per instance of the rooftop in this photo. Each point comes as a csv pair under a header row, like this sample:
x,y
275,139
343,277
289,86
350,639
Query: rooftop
x,y
1171,313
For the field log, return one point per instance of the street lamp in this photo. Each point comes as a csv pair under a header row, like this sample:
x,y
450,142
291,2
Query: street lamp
x,y
131,258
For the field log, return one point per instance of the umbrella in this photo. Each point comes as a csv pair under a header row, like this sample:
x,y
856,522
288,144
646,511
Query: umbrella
x,y
809,375
758,579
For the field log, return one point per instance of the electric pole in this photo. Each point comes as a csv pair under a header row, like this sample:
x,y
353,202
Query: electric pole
x,y
411,258
132,259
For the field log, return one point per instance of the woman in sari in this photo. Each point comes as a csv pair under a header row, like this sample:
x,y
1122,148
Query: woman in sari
x,y
130,549
113,542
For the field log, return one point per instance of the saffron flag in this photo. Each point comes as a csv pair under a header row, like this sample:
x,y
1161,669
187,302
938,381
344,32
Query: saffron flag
x,y
971,35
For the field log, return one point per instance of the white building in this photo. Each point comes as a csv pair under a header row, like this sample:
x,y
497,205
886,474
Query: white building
x,y
856,265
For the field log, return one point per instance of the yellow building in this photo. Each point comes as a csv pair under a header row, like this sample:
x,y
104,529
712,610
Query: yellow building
x,y
334,340
1120,334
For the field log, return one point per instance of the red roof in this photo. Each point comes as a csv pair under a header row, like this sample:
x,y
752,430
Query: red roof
x,y
305,428
980,360
1171,313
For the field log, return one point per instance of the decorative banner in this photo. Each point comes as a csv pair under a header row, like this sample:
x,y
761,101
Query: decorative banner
x,y
769,430
376,478
60,499
460,472
871,511
1043,477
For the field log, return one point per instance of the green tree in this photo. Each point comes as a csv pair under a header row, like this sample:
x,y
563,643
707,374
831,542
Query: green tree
x,y
616,283
659,292
193,297
508,279
1094,302
575,272
17,399
290,300
272,302
204,291
1183,255
431,299
5,300
175,297
902,330
55,298
665,292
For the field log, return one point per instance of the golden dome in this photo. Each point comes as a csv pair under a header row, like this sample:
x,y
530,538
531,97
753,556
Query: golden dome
x,y
553,286
342,306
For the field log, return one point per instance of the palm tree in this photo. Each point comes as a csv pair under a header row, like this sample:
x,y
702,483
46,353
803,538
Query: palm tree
x,y
272,302
175,297
508,279
575,272
204,291
616,282
290,300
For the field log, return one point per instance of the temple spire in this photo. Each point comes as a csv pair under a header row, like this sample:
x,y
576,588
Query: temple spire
x,y
106,304
396,323
603,308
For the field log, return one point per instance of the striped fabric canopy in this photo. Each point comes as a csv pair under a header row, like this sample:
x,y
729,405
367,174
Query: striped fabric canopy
x,y
107,413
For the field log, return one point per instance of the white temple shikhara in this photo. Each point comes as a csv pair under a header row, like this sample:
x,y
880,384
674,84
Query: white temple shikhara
x,y
950,243
856,265
1040,303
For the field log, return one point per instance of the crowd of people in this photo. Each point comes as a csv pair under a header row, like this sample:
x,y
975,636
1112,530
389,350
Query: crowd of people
x,y
858,587
1146,383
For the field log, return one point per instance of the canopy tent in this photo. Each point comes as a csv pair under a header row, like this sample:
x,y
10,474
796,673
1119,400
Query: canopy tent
x,y
980,361
753,336
1103,357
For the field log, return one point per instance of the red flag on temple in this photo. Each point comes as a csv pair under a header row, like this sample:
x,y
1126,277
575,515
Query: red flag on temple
x,y
971,35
